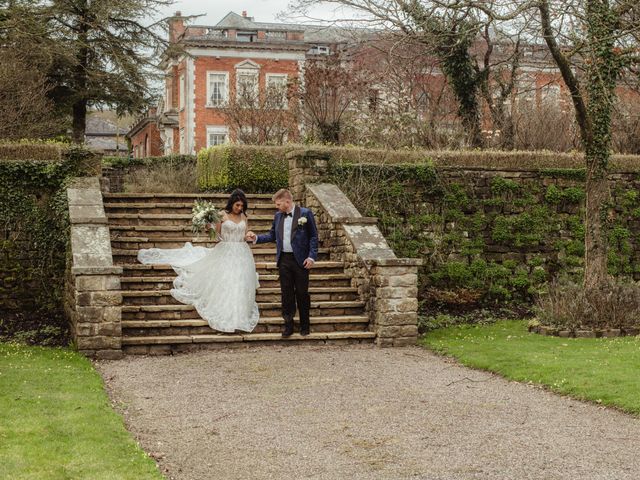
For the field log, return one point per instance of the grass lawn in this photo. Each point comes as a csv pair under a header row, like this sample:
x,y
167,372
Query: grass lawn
x,y
603,370
56,421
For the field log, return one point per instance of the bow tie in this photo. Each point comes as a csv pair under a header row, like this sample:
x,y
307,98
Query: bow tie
x,y
288,214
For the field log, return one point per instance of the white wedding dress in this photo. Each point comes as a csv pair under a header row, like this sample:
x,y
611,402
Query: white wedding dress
x,y
219,282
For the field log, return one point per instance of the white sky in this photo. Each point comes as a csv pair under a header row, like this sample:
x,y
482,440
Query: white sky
x,y
261,10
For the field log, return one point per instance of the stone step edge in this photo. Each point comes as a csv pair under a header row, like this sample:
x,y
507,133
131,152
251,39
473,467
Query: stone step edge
x,y
262,290
255,250
145,205
263,321
204,196
245,337
263,305
318,264
174,216
266,278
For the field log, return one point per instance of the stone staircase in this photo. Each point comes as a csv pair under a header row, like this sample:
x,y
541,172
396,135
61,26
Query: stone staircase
x,y
153,322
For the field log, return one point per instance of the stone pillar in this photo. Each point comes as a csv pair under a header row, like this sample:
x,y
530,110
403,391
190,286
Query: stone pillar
x,y
93,297
305,167
394,302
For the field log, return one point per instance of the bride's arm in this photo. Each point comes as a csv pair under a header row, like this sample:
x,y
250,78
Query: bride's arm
x,y
223,217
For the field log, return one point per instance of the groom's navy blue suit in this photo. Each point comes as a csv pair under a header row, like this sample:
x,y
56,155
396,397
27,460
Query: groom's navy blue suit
x,y
294,278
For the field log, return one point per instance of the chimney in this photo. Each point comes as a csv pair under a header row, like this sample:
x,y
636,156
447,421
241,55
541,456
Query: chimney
x,y
176,27
244,13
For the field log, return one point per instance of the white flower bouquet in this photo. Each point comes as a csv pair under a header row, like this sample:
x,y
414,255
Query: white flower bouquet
x,y
204,213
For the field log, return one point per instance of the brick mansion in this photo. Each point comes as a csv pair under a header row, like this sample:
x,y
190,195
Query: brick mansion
x,y
216,61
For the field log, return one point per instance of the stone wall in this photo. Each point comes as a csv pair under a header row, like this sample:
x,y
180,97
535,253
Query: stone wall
x,y
93,299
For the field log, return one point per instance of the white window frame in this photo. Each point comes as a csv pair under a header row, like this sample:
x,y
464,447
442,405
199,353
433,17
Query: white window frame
x,y
183,91
182,139
225,98
217,130
247,71
319,50
270,76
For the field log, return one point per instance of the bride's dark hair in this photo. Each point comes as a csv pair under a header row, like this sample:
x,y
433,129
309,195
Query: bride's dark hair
x,y
237,196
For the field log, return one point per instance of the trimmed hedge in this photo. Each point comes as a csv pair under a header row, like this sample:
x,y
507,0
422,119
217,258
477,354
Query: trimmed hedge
x,y
474,159
123,162
50,152
255,169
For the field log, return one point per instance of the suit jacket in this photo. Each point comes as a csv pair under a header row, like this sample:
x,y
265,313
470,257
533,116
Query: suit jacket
x,y
304,236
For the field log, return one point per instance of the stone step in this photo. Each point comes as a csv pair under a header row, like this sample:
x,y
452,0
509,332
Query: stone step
x,y
322,267
158,328
138,197
159,345
360,319
264,294
161,231
155,219
184,208
266,281
260,254
267,309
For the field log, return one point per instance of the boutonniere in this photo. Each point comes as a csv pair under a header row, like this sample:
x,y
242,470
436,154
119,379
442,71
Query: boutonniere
x,y
302,222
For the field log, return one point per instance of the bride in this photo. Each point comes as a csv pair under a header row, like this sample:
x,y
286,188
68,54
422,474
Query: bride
x,y
219,282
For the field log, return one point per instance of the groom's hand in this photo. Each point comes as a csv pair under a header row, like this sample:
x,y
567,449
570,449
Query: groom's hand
x,y
308,263
250,237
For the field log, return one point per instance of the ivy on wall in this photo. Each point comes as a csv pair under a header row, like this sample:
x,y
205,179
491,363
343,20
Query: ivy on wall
x,y
34,236
488,239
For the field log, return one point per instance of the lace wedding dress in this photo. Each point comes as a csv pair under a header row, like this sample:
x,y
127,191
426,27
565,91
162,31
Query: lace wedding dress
x,y
219,282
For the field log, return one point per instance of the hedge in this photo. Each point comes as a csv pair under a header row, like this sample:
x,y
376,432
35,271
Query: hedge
x,y
255,169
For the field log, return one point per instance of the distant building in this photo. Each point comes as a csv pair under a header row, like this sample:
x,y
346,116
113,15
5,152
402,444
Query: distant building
x,y
144,136
240,53
106,133
236,53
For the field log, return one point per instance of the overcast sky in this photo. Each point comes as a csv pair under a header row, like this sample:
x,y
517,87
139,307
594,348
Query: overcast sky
x,y
215,10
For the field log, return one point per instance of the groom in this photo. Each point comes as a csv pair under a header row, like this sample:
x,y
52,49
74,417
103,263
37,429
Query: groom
x,y
294,231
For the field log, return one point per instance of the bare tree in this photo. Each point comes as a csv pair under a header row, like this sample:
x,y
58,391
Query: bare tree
x,y
267,118
592,42
330,88
25,109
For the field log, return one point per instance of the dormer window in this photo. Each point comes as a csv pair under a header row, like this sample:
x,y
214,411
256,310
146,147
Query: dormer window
x,y
246,36
319,50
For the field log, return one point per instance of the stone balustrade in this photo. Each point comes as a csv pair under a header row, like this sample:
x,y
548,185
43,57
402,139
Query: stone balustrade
x,y
386,283
93,299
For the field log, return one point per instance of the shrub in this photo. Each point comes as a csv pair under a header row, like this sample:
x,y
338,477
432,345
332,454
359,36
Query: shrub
x,y
166,174
251,168
570,306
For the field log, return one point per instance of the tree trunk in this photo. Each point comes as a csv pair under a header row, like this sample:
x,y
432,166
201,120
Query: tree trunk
x,y
79,120
80,77
595,241
601,83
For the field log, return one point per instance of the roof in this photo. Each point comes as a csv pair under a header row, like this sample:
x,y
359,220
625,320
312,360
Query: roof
x,y
107,144
106,123
312,33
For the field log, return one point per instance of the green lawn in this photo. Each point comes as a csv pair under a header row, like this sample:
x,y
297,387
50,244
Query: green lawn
x,y
56,421
603,370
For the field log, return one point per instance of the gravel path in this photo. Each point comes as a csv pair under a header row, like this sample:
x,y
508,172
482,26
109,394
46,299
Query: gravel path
x,y
358,412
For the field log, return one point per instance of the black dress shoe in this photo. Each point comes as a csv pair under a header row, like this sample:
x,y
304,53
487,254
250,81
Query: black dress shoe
x,y
304,332
287,332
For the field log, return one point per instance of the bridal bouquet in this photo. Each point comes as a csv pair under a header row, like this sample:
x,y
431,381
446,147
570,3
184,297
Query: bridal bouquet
x,y
204,212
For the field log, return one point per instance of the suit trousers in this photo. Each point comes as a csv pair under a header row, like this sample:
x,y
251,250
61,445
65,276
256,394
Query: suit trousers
x,y
294,285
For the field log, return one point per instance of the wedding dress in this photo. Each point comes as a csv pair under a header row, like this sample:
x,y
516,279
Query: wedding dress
x,y
219,282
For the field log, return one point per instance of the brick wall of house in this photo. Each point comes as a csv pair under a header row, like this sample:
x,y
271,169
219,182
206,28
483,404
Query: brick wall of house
x,y
209,116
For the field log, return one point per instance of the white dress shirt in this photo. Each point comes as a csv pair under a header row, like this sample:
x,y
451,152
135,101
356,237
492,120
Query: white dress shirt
x,y
288,224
